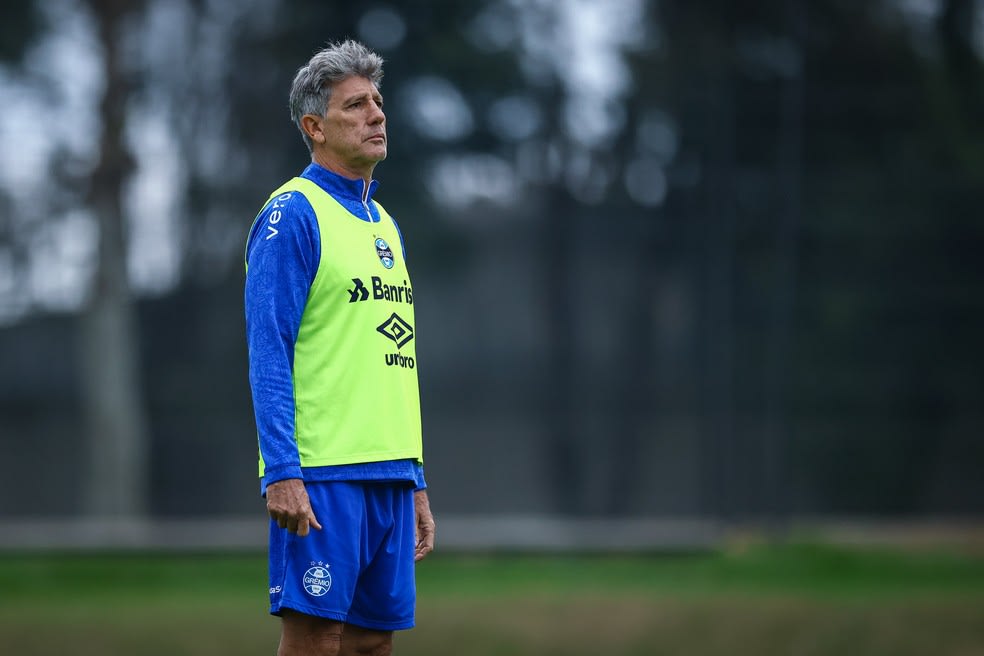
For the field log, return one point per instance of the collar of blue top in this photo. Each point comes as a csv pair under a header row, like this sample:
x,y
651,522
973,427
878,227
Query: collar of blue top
x,y
354,195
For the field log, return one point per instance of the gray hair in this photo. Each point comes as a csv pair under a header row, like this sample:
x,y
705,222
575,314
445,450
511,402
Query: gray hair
x,y
313,82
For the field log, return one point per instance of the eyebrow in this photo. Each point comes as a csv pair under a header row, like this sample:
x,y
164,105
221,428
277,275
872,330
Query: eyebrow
x,y
361,96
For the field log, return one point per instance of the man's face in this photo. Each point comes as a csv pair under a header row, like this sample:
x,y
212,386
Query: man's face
x,y
354,127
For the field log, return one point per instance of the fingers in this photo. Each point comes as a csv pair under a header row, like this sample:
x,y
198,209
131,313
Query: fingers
x,y
289,506
423,548
425,540
307,522
300,523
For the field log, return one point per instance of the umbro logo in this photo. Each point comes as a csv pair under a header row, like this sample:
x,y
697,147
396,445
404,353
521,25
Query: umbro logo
x,y
397,329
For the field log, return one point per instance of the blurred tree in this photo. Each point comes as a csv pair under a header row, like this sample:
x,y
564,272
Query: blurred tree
x,y
19,25
116,423
572,61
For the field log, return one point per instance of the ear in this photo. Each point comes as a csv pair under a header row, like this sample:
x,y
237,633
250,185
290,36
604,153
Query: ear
x,y
313,127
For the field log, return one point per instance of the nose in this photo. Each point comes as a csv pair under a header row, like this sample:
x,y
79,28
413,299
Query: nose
x,y
377,115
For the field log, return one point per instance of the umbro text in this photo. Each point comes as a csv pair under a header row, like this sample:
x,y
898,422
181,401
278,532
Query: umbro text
x,y
397,360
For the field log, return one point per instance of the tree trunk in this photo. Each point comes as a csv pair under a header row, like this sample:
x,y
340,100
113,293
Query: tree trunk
x,y
779,356
115,423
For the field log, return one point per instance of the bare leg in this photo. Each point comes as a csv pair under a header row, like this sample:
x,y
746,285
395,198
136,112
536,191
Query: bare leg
x,y
358,641
305,635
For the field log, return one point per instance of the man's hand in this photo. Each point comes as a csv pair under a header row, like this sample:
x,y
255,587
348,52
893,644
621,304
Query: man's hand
x,y
425,525
288,504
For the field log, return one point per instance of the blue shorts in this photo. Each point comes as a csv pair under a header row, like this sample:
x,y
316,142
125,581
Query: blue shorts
x,y
359,567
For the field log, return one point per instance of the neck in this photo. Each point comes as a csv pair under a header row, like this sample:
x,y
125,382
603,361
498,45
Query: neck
x,y
364,173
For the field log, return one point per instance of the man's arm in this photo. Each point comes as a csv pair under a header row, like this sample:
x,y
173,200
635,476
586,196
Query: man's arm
x,y
282,253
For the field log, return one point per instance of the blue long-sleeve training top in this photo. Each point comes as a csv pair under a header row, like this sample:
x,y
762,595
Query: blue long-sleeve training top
x,y
278,280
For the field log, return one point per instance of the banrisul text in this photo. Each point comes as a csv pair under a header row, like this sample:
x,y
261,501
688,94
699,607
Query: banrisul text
x,y
380,291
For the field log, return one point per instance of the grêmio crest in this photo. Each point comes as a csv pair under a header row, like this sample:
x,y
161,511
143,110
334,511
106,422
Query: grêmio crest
x,y
384,253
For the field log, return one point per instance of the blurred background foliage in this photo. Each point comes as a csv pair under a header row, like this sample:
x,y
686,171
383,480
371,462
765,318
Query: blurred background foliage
x,y
712,259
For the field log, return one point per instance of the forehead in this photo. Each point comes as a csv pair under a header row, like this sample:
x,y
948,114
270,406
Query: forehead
x,y
353,86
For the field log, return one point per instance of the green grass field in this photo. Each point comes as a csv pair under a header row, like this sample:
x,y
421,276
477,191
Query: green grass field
x,y
790,600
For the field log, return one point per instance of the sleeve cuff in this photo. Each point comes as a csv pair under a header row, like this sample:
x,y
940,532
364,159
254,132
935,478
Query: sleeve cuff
x,y
281,473
418,478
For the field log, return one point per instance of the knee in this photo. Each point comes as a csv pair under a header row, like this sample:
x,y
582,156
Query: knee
x,y
309,636
326,644
370,644
313,644
381,649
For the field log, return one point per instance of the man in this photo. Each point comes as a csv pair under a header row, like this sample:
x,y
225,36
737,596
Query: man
x,y
330,329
